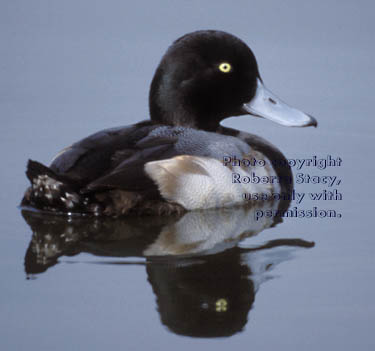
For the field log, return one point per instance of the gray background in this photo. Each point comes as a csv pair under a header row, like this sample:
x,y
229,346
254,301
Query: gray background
x,y
70,68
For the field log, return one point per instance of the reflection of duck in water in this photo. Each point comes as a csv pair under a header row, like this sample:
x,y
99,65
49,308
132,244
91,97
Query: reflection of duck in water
x,y
174,162
204,283
211,296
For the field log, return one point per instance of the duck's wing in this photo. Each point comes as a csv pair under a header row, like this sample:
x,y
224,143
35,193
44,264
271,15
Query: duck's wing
x,y
129,174
91,157
115,158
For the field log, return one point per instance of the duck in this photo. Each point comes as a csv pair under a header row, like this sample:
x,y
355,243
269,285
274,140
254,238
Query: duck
x,y
176,161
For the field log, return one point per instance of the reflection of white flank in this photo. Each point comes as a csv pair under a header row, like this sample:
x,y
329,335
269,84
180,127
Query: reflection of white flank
x,y
199,231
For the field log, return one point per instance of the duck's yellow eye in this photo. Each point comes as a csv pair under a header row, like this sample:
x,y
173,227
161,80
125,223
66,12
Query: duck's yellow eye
x,y
225,67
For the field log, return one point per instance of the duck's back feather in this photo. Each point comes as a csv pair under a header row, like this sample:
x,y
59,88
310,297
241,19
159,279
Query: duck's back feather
x,y
93,156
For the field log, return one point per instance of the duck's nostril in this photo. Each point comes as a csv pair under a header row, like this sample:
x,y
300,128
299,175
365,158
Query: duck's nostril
x,y
272,101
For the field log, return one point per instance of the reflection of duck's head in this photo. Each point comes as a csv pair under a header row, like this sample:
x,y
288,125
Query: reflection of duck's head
x,y
211,296
207,298
207,76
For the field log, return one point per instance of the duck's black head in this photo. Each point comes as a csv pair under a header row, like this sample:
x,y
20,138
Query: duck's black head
x,y
207,76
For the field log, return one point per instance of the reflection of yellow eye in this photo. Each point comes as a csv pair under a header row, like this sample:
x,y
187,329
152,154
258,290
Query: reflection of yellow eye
x,y
225,67
221,305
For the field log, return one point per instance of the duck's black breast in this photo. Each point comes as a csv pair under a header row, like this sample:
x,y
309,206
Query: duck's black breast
x,y
269,151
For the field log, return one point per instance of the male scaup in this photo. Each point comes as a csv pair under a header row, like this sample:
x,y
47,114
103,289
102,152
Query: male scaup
x,y
174,162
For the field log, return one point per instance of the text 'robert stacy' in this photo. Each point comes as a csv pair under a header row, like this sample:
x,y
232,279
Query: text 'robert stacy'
x,y
301,178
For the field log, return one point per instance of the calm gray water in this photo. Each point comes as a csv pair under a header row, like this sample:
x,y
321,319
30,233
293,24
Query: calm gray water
x,y
71,68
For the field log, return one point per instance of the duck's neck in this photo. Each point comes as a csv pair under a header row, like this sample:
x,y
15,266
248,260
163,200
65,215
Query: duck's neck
x,y
184,120
173,113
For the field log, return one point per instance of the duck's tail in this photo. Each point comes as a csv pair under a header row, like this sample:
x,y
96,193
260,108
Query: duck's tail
x,y
36,169
50,191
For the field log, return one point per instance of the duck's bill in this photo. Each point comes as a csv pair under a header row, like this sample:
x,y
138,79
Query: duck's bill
x,y
267,105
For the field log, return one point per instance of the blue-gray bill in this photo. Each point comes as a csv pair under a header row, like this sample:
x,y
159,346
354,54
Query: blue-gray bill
x,y
267,105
